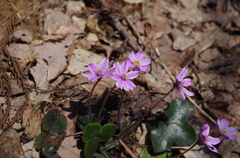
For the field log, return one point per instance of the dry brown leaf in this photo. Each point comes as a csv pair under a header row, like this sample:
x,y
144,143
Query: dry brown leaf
x,y
80,59
53,20
70,109
24,35
10,146
32,119
227,147
52,61
20,50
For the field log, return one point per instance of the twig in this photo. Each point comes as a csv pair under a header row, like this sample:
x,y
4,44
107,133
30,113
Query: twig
x,y
136,33
186,150
127,149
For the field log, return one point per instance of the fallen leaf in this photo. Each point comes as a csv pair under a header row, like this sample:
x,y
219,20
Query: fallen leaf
x,y
24,35
80,59
10,145
52,61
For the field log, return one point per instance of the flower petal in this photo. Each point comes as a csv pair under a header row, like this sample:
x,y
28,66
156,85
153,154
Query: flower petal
x,y
181,92
109,72
132,56
124,67
131,85
230,137
143,68
139,55
132,74
212,148
176,74
205,130
88,75
118,68
115,76
231,130
92,79
119,84
93,68
104,64
213,141
223,123
182,73
125,85
145,62
186,82
187,92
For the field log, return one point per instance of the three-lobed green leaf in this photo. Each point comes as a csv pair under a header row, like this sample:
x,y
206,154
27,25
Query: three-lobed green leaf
x,y
176,129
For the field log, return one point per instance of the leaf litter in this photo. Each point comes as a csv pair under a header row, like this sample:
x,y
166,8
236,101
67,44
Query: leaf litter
x,y
54,45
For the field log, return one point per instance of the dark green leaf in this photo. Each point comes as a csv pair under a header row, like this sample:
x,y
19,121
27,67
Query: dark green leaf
x,y
54,122
91,131
39,140
106,132
48,150
176,129
91,147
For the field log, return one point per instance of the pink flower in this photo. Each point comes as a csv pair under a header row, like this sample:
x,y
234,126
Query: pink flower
x,y
98,72
208,140
144,107
138,62
225,131
122,76
183,83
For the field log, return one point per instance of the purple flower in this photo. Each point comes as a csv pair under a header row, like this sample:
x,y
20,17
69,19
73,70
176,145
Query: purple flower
x,y
144,107
225,131
208,140
98,72
183,83
122,75
138,62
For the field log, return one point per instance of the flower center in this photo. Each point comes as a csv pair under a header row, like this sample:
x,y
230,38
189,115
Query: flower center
x,y
224,131
137,63
124,76
99,72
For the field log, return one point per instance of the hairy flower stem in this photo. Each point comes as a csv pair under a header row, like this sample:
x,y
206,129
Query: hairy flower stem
x,y
104,103
122,134
89,101
119,107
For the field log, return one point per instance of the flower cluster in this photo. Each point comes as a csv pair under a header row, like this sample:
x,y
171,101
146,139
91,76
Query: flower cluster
x,y
120,72
223,129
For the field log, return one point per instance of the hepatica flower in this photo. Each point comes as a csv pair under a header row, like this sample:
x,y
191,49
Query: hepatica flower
x,y
138,62
183,83
225,131
98,72
123,77
208,140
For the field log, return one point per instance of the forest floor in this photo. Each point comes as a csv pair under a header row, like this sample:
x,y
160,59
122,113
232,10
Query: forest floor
x,y
46,44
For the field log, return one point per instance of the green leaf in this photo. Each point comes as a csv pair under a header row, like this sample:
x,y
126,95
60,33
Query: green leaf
x,y
90,132
106,132
39,140
48,150
167,154
177,129
90,147
54,122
